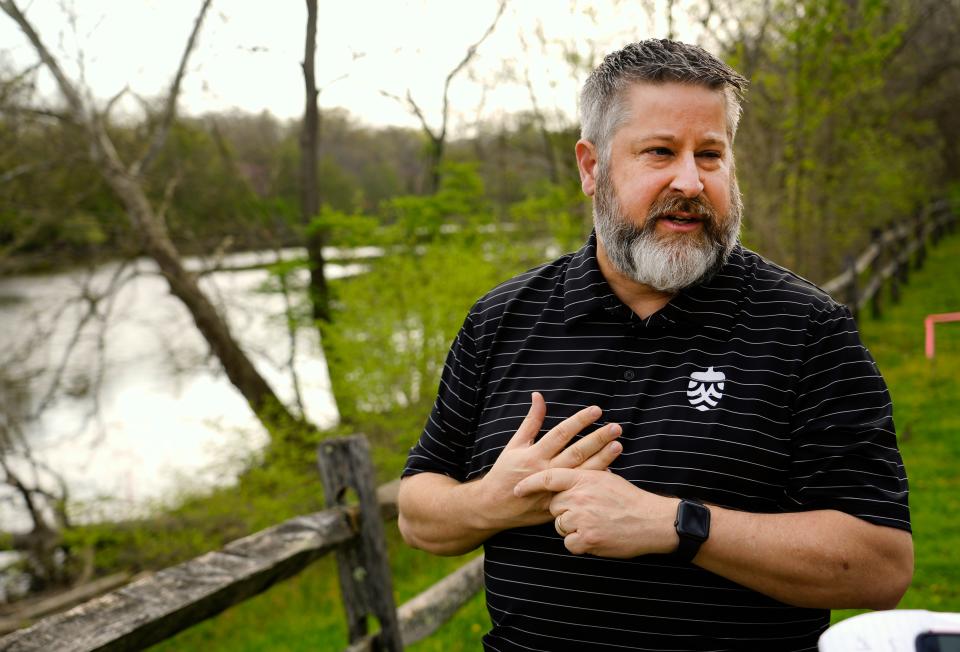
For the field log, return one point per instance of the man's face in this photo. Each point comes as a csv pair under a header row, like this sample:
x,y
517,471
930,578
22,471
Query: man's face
x,y
667,207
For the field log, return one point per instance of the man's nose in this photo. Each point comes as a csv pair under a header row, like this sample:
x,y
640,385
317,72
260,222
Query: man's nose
x,y
687,181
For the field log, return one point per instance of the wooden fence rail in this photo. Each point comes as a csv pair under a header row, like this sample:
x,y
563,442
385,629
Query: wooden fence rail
x,y
889,258
154,608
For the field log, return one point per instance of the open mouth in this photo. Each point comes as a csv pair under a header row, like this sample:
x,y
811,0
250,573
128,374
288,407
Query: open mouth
x,y
677,219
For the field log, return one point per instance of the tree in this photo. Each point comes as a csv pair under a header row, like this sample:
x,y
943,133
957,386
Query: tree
x,y
437,137
126,181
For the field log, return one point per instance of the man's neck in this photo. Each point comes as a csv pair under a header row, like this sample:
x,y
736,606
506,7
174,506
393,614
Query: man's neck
x,y
641,299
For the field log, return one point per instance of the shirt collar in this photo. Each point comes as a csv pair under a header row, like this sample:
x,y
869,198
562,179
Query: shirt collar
x,y
712,305
585,290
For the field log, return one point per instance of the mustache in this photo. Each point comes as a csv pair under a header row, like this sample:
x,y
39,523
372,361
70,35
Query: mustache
x,y
698,206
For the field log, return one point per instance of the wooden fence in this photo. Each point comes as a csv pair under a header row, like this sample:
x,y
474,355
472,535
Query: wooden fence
x,y
889,257
156,607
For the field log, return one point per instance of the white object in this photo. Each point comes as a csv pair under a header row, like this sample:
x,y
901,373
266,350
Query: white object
x,y
886,631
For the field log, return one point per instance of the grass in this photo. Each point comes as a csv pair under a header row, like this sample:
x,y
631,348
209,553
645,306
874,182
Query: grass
x,y
926,399
304,613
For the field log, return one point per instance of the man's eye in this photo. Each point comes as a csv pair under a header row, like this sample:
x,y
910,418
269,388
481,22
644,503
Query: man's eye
x,y
659,151
711,154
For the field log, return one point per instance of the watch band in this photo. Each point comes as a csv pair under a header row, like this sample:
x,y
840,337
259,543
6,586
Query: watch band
x,y
693,528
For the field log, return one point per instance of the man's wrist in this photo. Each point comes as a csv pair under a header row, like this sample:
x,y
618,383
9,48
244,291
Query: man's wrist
x,y
473,500
673,539
692,526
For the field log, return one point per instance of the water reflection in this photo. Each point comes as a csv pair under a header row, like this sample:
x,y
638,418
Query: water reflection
x,y
165,413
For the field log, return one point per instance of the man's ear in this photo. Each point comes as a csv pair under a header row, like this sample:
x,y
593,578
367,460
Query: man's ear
x,y
587,164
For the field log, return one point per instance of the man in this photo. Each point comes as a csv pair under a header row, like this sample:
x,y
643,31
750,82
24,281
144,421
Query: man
x,y
740,474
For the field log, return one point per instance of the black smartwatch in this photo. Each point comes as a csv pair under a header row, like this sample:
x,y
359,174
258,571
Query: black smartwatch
x,y
693,528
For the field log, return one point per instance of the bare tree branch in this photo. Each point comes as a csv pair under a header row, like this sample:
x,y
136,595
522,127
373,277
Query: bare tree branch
x,y
43,113
169,188
12,84
438,138
105,114
291,326
93,301
471,52
549,154
73,98
22,169
170,105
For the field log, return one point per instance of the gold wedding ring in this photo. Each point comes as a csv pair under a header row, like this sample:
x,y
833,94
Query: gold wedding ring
x,y
559,528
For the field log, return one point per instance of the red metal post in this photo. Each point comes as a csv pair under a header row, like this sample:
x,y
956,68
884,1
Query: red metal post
x,y
928,324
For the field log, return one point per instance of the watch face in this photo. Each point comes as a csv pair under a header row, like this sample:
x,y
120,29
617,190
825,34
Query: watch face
x,y
693,520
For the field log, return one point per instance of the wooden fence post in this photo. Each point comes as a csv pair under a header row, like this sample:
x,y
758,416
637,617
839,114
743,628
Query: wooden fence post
x,y
921,241
853,296
362,563
877,269
937,232
895,249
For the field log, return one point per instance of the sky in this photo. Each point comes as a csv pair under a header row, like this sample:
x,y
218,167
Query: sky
x,y
249,53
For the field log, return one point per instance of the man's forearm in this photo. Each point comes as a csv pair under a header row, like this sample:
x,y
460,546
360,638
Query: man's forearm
x,y
822,559
440,515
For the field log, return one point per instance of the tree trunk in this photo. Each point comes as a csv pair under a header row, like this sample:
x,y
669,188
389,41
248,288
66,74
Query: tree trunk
x,y
309,189
183,285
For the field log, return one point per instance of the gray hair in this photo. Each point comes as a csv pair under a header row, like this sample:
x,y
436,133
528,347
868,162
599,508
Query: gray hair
x,y
603,106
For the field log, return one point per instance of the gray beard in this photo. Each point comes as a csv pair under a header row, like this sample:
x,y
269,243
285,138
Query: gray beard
x,y
666,263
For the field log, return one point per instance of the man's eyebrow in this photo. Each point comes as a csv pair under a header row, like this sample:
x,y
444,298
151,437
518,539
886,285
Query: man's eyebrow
x,y
711,140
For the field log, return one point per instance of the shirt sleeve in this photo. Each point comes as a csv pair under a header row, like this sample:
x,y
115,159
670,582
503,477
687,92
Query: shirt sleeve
x,y
448,434
844,443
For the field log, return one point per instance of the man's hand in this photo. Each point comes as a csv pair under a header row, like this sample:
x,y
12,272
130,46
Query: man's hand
x,y
447,517
821,559
521,457
604,514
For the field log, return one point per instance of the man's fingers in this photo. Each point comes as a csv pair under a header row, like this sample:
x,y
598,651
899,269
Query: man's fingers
x,y
531,423
547,480
574,543
602,459
560,435
580,454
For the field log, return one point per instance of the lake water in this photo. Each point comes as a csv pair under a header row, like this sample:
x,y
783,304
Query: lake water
x,y
165,417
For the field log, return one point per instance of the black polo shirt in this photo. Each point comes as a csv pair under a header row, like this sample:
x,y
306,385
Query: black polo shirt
x,y
752,391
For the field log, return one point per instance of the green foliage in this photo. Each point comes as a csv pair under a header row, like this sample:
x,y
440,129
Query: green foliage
x,y
824,151
82,229
559,211
393,324
51,196
210,198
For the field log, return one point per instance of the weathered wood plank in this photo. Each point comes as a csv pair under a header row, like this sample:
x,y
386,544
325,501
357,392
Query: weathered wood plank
x,y
424,614
157,607
366,585
28,612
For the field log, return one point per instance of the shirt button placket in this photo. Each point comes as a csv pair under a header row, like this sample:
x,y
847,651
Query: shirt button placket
x,y
629,374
